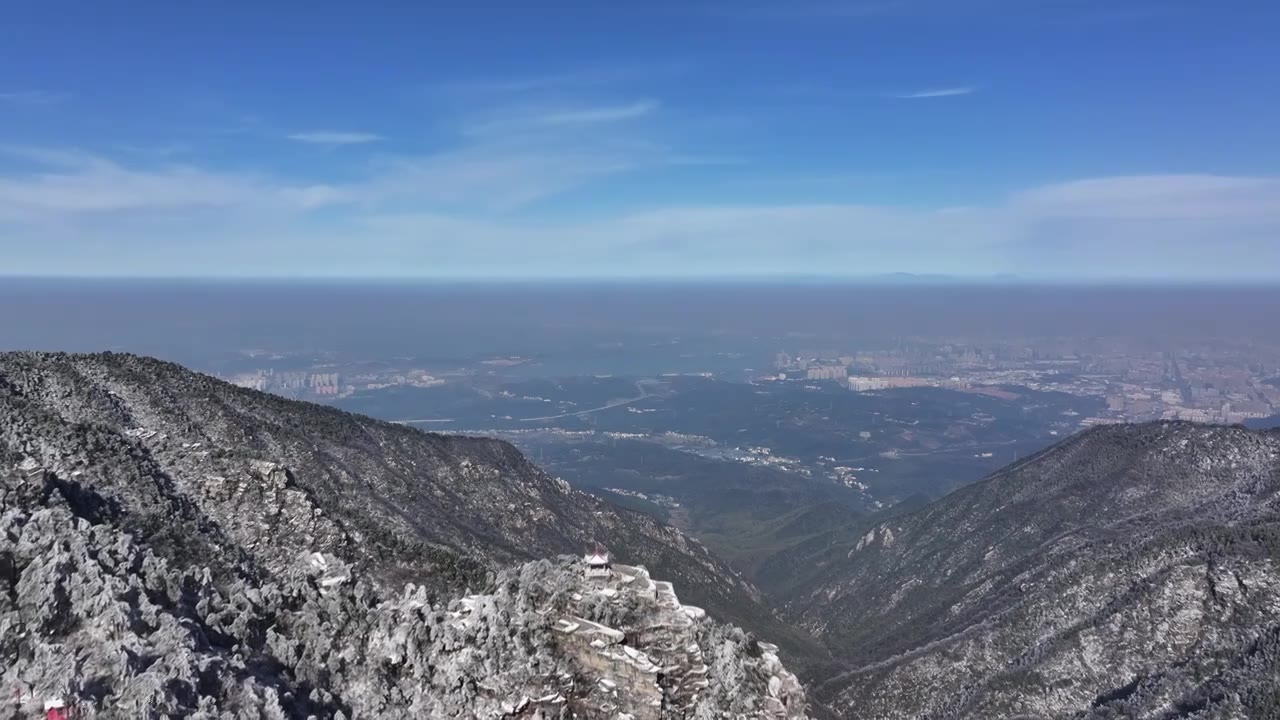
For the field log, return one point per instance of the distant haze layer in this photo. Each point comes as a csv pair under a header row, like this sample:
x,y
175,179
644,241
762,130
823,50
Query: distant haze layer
x,y
194,321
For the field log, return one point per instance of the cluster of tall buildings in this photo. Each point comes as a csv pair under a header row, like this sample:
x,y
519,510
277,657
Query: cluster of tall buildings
x,y
862,383
324,383
812,369
826,372
887,375
298,383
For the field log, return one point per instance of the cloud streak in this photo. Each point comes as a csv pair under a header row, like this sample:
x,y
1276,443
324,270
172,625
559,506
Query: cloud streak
x,y
937,93
590,78
459,213
1188,226
493,178
72,183
508,121
332,137
32,97
533,83
596,115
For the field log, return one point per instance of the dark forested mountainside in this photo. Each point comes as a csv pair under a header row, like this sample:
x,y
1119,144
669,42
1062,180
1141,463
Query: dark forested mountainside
x,y
1130,571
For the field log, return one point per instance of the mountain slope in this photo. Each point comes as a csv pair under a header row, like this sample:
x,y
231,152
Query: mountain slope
x,y
1130,571
231,478
91,616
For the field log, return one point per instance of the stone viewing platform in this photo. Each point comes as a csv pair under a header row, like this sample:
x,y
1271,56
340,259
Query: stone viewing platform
x,y
651,666
660,654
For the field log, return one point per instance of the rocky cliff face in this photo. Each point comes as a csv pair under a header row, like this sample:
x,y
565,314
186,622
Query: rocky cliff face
x,y
1131,571
173,545
94,616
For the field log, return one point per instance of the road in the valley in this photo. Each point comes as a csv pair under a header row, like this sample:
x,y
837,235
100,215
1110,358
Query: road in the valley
x,y
640,387
611,404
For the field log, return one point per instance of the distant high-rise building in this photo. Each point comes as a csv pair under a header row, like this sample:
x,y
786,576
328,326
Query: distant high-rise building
x,y
827,372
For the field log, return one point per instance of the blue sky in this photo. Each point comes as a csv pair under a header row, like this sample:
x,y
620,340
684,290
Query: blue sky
x,y
1065,139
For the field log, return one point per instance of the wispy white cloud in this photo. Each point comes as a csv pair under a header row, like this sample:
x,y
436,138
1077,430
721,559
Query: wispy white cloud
x,y
1057,230
690,160
1169,197
544,120
531,83
522,139
602,114
585,79
458,213
333,137
497,177
71,182
936,93
510,154
493,176
32,97
51,156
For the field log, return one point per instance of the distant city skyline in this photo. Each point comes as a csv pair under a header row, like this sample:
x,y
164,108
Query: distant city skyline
x,y
1058,141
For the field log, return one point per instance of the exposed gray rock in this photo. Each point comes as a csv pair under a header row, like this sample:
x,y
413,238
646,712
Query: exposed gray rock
x,y
90,615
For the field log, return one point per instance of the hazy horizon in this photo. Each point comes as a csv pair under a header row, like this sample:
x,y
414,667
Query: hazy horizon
x,y
205,322
782,279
